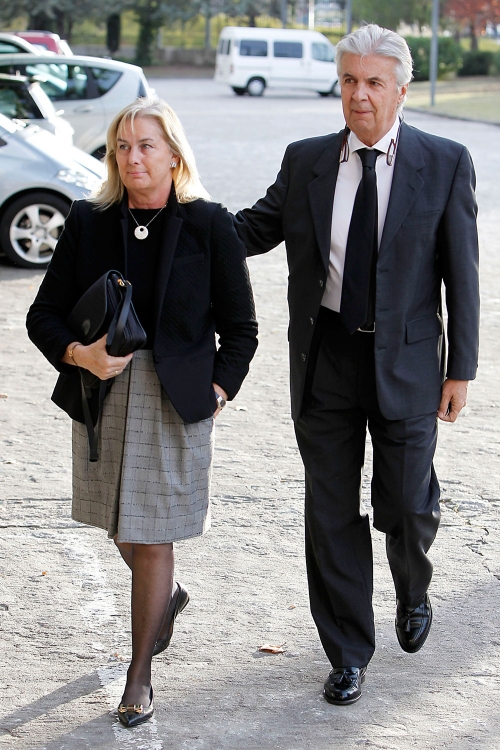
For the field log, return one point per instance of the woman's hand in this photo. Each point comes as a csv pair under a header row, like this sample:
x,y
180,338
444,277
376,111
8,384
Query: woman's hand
x,y
95,358
222,393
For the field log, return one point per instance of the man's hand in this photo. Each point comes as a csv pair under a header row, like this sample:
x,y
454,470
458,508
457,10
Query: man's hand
x,y
453,399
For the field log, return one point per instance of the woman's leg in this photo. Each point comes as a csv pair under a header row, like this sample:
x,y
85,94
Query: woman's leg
x,y
152,568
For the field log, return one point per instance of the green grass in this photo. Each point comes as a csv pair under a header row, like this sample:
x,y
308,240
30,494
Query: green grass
x,y
474,98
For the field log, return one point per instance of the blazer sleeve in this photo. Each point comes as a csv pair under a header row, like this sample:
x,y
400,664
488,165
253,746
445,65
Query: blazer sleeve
x,y
56,297
232,303
459,259
261,227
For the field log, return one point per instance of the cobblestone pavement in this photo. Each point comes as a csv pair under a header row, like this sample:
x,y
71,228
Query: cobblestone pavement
x,y
64,591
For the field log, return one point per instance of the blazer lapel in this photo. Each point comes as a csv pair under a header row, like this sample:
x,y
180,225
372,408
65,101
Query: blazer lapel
x,y
171,228
406,184
321,192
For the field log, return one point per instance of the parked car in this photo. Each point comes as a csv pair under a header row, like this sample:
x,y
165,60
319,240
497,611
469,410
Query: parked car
x,y
90,90
10,44
24,99
39,179
46,39
253,59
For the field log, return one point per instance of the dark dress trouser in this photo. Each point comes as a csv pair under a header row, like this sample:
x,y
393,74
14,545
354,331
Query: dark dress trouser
x,y
340,402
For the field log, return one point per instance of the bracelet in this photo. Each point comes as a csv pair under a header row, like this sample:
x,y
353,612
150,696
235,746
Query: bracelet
x,y
71,352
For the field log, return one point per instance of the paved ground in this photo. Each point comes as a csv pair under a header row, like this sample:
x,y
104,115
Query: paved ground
x,y
64,591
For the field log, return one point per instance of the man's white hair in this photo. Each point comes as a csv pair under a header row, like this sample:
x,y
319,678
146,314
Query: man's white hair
x,y
374,40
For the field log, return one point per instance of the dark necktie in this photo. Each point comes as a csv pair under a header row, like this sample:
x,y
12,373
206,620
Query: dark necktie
x,y
357,305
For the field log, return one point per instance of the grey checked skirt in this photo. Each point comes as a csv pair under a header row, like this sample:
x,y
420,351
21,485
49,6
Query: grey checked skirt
x,y
151,484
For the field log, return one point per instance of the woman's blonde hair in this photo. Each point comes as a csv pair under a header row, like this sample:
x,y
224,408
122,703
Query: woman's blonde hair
x,y
185,176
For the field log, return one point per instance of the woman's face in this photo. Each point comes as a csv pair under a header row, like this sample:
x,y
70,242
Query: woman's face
x,y
143,157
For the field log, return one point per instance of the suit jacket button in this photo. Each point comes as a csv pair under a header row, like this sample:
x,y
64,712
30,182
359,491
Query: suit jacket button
x,y
311,321
321,283
303,357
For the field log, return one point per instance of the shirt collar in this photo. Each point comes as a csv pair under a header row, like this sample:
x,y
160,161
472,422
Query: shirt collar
x,y
383,144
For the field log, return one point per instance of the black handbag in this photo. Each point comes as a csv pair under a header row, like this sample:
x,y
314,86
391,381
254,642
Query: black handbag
x,y
106,307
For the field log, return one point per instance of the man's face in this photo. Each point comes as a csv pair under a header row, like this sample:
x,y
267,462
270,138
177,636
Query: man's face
x,y
370,95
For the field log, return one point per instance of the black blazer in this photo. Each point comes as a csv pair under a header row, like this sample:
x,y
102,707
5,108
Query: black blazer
x,y
202,288
429,236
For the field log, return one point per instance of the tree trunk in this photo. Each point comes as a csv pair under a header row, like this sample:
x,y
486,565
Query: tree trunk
x,y
113,32
473,38
145,41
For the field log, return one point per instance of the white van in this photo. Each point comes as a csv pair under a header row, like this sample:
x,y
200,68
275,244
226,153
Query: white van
x,y
252,59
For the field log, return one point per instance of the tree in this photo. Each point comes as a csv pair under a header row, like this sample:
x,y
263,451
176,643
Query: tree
x,y
50,15
473,15
391,14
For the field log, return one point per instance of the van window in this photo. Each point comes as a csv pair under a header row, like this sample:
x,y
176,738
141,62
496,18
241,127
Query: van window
x,y
322,52
253,48
224,46
288,49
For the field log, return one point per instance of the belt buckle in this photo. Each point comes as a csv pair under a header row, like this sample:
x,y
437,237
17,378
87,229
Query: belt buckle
x,y
367,330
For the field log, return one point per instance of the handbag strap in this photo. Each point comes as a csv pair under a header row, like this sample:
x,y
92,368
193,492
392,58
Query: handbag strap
x,y
115,332
92,432
117,325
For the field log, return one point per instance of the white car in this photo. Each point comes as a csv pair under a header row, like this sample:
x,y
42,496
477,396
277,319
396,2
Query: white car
x,y
10,44
24,99
39,179
89,90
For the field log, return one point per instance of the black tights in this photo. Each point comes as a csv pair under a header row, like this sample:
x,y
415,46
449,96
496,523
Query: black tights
x,y
152,567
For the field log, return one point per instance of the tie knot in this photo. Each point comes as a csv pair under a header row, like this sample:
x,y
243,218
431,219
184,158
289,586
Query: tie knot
x,y
368,157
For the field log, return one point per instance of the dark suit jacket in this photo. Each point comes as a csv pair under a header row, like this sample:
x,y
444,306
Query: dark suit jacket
x,y
202,289
429,236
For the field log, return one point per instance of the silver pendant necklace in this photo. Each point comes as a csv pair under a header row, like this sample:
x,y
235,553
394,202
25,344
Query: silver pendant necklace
x,y
141,232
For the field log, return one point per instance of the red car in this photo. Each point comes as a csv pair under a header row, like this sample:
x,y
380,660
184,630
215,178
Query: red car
x,y
51,42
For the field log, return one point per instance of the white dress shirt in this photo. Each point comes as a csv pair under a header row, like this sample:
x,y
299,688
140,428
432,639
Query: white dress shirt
x,y
348,180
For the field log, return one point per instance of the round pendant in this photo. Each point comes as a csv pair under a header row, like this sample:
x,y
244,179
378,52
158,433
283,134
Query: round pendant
x,y
141,233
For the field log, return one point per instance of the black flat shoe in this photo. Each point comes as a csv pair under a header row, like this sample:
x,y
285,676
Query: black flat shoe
x,y
181,597
132,716
343,685
412,626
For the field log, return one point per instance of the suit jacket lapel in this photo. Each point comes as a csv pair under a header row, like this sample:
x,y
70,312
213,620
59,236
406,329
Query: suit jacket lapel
x,y
406,184
171,228
321,192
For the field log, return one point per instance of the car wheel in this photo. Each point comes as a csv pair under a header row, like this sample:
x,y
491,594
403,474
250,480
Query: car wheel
x,y
256,86
336,90
99,153
324,93
30,228
238,90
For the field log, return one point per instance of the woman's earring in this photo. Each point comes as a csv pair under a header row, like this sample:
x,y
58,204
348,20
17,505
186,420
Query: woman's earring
x,y
173,164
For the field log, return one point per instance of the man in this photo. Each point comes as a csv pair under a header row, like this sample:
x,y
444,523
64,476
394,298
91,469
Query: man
x,y
374,219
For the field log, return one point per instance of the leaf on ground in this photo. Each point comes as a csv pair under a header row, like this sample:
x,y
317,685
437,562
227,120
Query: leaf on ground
x,y
3,395
44,572
270,648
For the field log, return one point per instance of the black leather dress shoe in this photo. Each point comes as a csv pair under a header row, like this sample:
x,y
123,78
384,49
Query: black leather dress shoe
x,y
181,597
412,626
343,685
132,716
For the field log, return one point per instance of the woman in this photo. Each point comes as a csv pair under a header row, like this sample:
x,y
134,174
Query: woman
x,y
152,221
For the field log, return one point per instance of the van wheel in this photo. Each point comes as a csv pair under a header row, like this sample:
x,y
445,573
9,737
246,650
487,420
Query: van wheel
x,y
256,86
336,90
238,90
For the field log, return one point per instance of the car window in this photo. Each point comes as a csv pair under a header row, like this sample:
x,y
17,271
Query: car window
x,y
7,48
105,79
322,52
253,48
288,49
16,102
59,80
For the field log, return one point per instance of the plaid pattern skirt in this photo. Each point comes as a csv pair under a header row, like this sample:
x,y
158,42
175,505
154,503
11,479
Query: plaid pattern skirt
x,y
151,484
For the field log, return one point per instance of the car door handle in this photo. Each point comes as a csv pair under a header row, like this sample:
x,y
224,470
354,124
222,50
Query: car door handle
x,y
84,108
